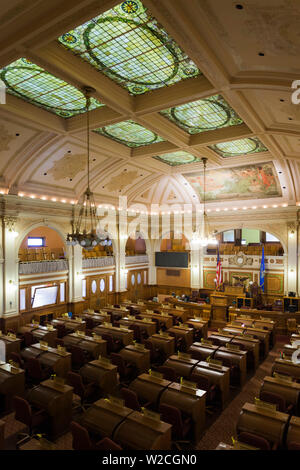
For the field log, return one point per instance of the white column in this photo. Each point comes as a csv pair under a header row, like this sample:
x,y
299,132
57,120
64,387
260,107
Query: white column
x,y
195,269
10,269
292,258
75,273
152,267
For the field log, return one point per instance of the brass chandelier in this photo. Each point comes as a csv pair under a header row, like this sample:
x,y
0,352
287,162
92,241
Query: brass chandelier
x,y
85,228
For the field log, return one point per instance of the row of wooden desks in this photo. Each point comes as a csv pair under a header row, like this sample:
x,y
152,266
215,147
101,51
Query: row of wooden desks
x,y
262,335
94,347
170,310
285,387
286,367
71,324
251,345
146,325
275,426
40,333
159,391
123,334
217,375
60,362
164,342
237,357
12,382
56,400
8,344
127,427
103,373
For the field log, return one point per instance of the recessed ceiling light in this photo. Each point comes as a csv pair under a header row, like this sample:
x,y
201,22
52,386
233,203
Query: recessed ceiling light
x,y
290,119
282,100
261,54
239,6
17,135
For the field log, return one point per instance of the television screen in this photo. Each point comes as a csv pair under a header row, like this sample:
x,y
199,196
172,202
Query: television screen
x,y
35,241
44,296
172,259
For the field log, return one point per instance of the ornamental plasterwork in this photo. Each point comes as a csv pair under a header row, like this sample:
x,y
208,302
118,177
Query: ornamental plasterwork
x,y
240,259
68,166
5,138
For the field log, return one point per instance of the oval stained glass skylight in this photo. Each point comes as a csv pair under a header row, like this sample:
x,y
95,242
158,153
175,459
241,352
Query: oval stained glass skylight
x,y
203,115
239,147
177,158
130,47
130,133
35,85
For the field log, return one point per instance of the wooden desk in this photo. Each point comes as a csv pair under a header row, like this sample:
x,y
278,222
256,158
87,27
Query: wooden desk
x,y
289,349
238,358
147,325
86,343
197,324
56,400
217,376
181,332
70,324
191,404
116,312
140,358
104,375
166,344
170,310
10,345
251,345
166,320
260,421
103,418
149,388
97,318
201,309
262,335
61,363
182,367
284,366
11,383
293,434
290,391
141,433
40,333
126,336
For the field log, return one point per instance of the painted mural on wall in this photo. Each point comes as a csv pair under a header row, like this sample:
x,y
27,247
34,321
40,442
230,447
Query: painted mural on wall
x,y
244,182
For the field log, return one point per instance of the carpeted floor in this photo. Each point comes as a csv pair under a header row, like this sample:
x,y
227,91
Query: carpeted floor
x,y
224,426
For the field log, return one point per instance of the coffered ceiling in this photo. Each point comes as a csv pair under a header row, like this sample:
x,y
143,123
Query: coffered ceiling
x,y
174,81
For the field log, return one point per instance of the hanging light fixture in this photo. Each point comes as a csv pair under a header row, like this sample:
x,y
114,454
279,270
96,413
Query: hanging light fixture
x,y
84,229
206,237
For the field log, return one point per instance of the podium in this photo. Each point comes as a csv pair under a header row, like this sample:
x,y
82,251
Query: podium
x,y
220,303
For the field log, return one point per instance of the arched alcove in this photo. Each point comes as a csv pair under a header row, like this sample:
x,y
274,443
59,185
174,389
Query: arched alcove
x,y
41,243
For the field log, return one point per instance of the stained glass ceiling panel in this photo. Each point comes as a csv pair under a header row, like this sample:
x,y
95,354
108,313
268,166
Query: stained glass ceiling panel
x,y
129,46
130,133
35,85
177,158
203,115
239,147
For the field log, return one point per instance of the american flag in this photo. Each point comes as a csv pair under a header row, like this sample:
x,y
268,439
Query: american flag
x,y
219,271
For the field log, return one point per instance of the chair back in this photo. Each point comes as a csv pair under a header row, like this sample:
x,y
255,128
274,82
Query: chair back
x,y
202,382
89,323
167,372
254,440
78,356
109,342
75,381
81,438
172,415
28,338
14,356
136,333
59,342
131,399
34,369
118,361
275,399
108,444
61,330
23,410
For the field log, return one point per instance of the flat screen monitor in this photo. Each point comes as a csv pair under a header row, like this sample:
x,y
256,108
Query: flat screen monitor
x,y
172,259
